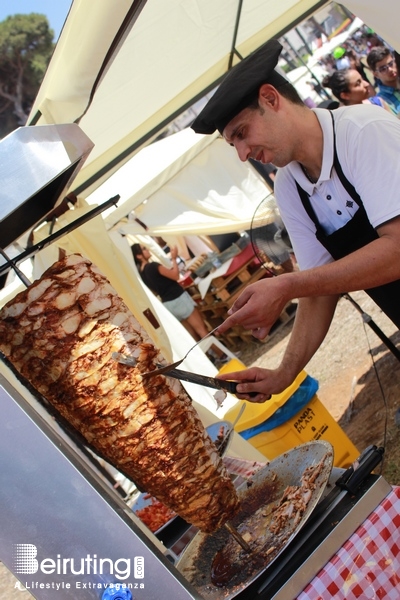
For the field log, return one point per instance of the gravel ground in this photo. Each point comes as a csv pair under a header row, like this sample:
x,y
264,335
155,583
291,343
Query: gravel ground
x,y
8,591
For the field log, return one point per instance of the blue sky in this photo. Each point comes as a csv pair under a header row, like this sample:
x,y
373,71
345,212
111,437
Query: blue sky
x,y
55,10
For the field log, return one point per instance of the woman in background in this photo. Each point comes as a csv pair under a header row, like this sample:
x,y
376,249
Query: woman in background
x,y
350,88
163,282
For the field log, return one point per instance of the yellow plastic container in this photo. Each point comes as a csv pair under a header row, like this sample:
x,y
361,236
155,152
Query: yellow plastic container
x,y
312,422
232,365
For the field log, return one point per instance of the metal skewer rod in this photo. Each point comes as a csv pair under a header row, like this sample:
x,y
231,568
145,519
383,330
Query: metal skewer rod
x,y
234,533
18,271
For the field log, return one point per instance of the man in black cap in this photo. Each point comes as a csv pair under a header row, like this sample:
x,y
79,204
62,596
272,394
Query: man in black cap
x,y
337,189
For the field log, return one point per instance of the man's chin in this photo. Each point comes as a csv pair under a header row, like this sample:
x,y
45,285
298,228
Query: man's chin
x,y
280,163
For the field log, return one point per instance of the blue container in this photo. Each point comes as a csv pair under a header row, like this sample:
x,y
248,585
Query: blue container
x,y
301,397
115,592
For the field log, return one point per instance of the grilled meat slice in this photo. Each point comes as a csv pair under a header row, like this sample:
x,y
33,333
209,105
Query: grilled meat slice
x,y
60,334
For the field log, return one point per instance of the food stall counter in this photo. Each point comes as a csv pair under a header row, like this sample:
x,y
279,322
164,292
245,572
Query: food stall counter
x,y
368,564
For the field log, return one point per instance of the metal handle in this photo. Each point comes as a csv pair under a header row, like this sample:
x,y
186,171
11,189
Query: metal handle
x,y
363,466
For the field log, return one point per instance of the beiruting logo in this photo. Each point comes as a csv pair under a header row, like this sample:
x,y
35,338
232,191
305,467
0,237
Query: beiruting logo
x,y
25,562
24,559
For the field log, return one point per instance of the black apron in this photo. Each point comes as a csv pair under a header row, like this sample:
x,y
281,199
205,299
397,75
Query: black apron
x,y
355,234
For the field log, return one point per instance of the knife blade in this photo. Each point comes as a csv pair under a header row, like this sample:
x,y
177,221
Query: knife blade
x,y
212,382
171,371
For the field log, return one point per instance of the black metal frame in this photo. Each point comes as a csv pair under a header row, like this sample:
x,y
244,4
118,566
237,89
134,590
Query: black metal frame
x,y
32,250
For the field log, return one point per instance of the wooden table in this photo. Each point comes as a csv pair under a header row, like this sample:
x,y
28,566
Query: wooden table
x,y
244,269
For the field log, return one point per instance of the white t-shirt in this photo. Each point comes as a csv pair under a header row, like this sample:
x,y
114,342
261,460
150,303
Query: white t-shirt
x,y
368,148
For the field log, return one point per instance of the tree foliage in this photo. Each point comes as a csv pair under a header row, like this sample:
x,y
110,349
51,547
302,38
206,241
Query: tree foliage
x,y
26,46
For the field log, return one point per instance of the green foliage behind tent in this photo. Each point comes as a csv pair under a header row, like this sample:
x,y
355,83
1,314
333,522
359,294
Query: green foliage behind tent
x,y
26,46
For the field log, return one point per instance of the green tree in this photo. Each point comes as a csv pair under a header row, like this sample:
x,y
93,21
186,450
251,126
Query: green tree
x,y
26,46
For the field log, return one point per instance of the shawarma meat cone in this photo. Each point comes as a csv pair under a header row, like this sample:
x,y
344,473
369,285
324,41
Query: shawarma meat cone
x,y
60,334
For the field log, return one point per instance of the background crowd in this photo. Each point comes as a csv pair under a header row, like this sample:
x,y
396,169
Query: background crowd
x,y
364,69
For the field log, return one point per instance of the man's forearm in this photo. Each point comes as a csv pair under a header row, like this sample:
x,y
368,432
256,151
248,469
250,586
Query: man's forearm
x,y
375,264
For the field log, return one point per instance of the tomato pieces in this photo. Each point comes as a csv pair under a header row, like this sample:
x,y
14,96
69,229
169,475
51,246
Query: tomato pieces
x,y
155,514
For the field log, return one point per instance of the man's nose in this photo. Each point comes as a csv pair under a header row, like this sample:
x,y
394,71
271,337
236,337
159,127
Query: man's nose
x,y
243,150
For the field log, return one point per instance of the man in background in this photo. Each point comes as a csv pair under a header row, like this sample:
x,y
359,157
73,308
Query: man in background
x,y
383,64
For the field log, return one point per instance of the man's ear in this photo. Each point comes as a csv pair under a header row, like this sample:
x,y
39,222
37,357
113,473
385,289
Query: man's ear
x,y
268,96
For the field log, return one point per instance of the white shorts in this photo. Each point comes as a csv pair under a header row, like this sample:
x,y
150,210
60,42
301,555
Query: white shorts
x,y
181,307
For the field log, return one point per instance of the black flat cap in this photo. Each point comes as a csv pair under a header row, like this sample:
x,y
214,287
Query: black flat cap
x,y
238,88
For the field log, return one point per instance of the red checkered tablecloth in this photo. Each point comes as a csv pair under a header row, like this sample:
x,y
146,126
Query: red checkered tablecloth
x,y
367,566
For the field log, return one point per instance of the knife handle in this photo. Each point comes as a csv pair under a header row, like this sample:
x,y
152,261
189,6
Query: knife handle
x,y
234,385
363,466
230,386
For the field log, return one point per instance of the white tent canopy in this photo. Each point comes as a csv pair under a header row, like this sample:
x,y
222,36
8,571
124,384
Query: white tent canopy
x,y
125,68
133,66
184,184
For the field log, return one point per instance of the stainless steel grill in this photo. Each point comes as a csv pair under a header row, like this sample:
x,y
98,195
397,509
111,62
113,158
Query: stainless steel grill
x,y
37,164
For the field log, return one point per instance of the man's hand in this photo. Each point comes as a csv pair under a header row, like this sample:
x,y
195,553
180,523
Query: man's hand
x,y
259,306
263,381
312,321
